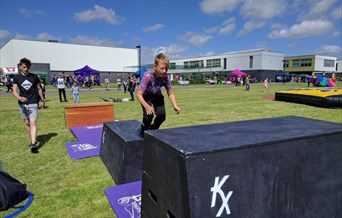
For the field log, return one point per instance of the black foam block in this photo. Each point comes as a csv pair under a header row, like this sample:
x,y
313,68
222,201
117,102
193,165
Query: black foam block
x,y
276,167
122,151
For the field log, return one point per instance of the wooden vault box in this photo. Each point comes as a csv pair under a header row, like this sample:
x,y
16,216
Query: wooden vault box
x,y
88,113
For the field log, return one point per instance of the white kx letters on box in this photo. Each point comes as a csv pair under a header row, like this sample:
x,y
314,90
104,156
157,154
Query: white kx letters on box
x,y
217,189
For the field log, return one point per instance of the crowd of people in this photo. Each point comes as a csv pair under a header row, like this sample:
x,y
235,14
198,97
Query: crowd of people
x,y
83,81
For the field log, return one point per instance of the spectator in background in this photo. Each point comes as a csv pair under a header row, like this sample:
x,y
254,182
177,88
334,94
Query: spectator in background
x,y
8,83
43,87
75,91
308,78
118,83
131,87
106,82
265,83
125,83
61,88
247,83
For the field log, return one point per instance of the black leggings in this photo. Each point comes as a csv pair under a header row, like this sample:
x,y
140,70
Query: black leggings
x,y
60,92
157,101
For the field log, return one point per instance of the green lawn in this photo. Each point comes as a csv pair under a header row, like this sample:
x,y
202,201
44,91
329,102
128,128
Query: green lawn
x,y
75,188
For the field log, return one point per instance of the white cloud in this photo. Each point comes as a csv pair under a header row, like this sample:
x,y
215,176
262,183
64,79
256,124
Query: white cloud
x,y
173,51
318,8
99,13
336,33
29,13
153,27
337,13
292,44
329,49
263,9
46,37
209,53
228,26
4,34
196,39
87,40
211,30
167,50
212,7
21,36
249,26
304,29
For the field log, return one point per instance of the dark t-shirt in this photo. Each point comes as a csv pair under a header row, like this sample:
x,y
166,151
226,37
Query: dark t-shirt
x,y
27,87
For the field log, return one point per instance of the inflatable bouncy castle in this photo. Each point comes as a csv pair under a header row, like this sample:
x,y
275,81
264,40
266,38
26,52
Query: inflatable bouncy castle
x,y
321,81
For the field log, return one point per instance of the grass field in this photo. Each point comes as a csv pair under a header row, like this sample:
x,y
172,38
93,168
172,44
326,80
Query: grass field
x,y
75,188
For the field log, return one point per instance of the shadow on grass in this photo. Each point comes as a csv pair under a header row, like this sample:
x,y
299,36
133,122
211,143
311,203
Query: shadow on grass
x,y
42,139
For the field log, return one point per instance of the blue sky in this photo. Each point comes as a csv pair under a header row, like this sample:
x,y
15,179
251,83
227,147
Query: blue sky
x,y
180,28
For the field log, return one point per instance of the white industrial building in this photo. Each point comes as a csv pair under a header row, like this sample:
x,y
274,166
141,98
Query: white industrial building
x,y
62,57
258,63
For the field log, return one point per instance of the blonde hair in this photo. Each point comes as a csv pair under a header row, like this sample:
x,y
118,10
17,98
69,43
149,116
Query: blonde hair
x,y
163,59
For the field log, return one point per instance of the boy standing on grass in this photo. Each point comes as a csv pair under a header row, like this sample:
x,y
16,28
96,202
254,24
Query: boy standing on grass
x,y
26,88
150,96
75,91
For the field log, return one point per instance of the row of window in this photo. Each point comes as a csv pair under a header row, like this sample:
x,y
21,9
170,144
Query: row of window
x,y
308,63
302,63
210,63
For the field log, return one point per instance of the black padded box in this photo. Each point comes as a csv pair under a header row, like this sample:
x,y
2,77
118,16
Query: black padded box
x,y
278,167
122,150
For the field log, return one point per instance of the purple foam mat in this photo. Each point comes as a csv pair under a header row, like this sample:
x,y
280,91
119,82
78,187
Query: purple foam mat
x,y
88,142
125,199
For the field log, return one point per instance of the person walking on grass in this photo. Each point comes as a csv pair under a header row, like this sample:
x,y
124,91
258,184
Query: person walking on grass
x,y
26,88
106,81
265,84
150,96
131,87
43,88
75,91
247,83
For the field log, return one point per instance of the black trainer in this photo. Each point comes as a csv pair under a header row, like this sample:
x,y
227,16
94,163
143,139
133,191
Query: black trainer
x,y
34,148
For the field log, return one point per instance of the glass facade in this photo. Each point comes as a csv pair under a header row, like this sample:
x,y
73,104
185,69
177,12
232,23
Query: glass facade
x,y
329,63
193,64
214,62
302,63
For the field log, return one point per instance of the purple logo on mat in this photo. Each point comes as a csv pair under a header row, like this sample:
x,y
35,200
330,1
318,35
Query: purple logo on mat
x,y
131,204
82,147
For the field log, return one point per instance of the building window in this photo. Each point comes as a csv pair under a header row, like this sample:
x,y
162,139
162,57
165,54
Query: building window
x,y
214,63
305,62
250,62
172,65
295,63
286,64
301,63
329,63
193,64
